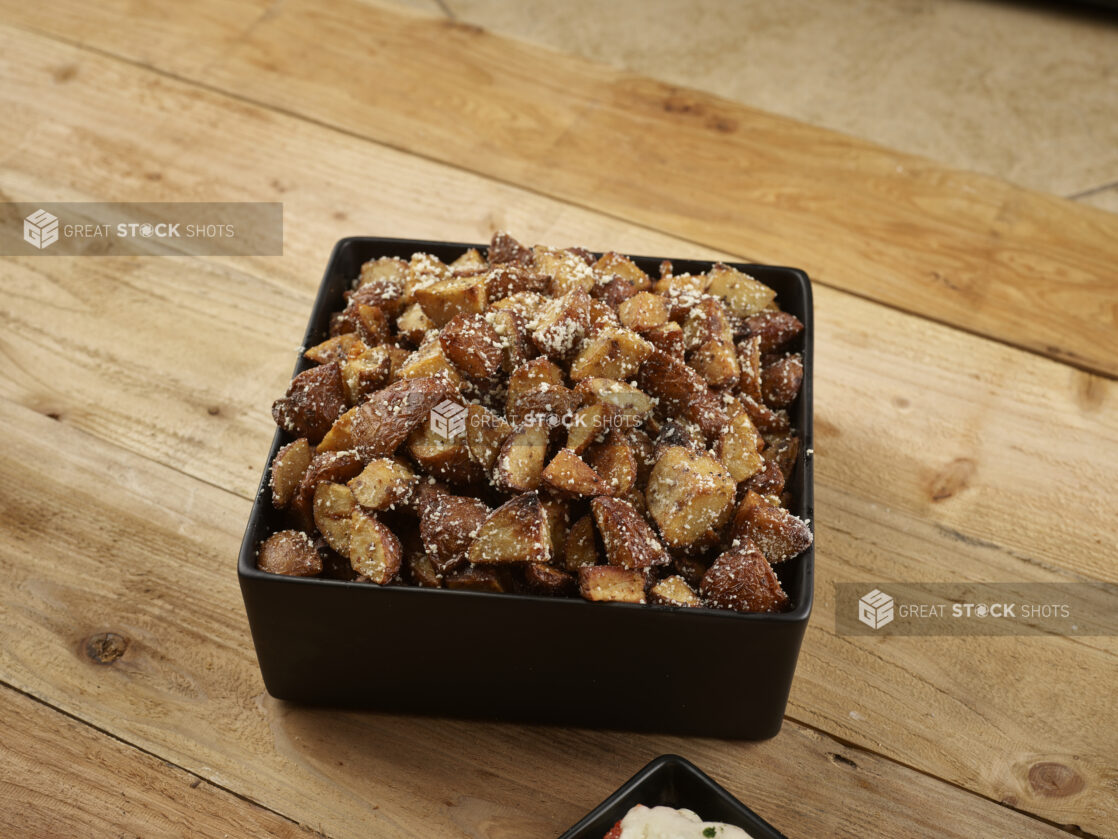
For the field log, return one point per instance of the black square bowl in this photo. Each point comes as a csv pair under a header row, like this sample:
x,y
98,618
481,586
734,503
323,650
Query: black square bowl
x,y
525,657
672,781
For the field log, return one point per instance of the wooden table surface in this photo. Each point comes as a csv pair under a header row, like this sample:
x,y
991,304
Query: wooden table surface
x,y
966,416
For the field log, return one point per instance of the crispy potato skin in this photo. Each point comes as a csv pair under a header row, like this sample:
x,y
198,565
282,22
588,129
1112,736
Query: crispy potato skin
x,y
630,543
287,470
448,526
689,493
743,581
374,550
610,583
472,345
314,399
515,532
290,553
335,467
776,532
381,424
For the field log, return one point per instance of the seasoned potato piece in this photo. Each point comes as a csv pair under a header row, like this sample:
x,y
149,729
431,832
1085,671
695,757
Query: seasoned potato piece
x,y
420,571
365,373
677,432
628,540
743,581
511,328
781,380
610,583
623,267
472,345
446,458
613,353
336,467
337,348
291,553
430,360
785,450
510,278
765,418
477,579
442,300
775,531
558,514
688,493
613,292
643,311
561,324
413,324
448,524
589,424
682,392
379,426
581,547
333,508
287,470
633,404
601,316
568,473
673,591
567,269
365,321
644,451
708,320
424,270
690,568
340,436
374,550
514,532
717,362
668,338
549,405
749,361
314,399
469,263
525,304
504,248
548,580
485,433
382,283
383,483
739,448
531,376
743,295
615,462
769,480
521,460
773,329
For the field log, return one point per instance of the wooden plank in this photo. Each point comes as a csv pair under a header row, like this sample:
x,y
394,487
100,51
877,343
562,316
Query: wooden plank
x,y
972,251
883,380
101,540
59,777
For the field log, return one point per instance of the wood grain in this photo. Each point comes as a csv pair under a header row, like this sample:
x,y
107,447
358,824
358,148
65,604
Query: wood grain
x,y
883,380
59,777
104,541
972,251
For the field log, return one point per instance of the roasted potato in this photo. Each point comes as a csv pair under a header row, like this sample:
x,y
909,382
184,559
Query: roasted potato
x,y
741,580
383,483
589,424
744,296
431,361
335,467
632,404
413,325
688,494
380,425
446,458
781,380
561,324
581,547
444,299
333,510
643,312
613,353
614,460
673,591
520,463
610,583
568,473
739,448
773,329
374,550
472,345
291,553
448,525
485,434
288,467
314,400
628,540
548,580
775,531
514,532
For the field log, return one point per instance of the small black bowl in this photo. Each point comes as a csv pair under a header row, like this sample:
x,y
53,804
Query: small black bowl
x,y
672,781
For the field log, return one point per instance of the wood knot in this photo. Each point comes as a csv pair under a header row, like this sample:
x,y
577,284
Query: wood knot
x,y
65,73
105,647
213,410
953,478
1054,780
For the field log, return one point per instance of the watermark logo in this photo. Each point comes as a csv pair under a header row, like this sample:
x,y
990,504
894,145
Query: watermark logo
x,y
875,609
448,419
40,229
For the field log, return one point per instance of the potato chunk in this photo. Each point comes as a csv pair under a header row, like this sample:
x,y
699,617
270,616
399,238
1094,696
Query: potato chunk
x,y
314,399
485,433
613,353
569,473
442,300
743,581
610,583
688,494
633,405
374,550
629,541
291,553
448,525
581,547
674,591
287,470
379,426
520,464
743,295
333,508
779,534
561,324
514,532
383,483
472,345
739,448
643,312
